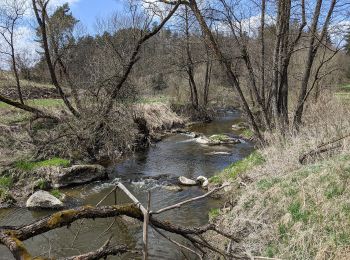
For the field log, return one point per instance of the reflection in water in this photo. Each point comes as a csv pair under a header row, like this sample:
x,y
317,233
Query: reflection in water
x,y
175,156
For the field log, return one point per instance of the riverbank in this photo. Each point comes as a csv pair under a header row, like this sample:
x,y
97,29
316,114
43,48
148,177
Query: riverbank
x,y
21,172
278,207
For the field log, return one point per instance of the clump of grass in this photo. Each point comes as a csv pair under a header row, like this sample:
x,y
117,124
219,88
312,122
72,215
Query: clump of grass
x,y
267,183
56,193
231,172
247,133
254,159
214,213
6,182
42,184
29,165
215,179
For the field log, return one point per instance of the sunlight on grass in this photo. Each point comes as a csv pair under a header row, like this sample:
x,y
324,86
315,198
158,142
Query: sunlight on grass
x,y
28,165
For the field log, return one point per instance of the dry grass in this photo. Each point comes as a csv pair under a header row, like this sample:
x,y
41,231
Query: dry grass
x,y
158,116
291,211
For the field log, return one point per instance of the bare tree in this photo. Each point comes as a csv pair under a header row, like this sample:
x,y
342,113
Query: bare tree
x,y
11,13
40,10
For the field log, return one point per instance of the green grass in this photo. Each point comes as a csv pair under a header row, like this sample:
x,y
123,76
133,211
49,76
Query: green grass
x,y
49,102
244,165
29,165
42,184
266,184
56,193
297,212
214,213
247,133
6,182
231,172
153,100
345,87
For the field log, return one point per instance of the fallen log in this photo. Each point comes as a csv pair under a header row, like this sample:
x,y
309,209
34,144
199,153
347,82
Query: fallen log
x,y
322,148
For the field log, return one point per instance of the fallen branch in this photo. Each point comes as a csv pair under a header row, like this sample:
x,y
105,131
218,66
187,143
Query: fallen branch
x,y
12,237
322,148
37,112
102,252
178,205
177,243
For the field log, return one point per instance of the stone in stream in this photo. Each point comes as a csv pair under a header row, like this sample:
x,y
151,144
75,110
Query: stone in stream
x,y
203,181
174,188
43,200
222,139
219,153
187,182
77,174
202,140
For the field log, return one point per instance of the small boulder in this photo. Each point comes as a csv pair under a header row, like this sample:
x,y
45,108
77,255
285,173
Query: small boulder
x,y
223,139
219,153
77,174
203,181
174,188
187,182
43,200
202,140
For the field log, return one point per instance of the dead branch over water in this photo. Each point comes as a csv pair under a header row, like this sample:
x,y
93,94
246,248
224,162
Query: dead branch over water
x,y
12,237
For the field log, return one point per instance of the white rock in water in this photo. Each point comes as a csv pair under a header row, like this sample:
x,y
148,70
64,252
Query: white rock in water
x,y
202,140
185,181
203,180
43,200
172,188
219,153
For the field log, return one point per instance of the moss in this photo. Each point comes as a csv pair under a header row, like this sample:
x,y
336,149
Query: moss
x,y
23,252
29,165
61,217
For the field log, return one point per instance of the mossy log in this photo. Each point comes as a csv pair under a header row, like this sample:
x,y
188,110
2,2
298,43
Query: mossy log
x,y
12,237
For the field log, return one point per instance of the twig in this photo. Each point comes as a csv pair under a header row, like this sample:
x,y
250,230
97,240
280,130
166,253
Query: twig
x,y
82,221
178,205
177,243
132,197
145,228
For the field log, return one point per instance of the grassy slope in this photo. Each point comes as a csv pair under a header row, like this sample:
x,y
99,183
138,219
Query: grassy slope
x,y
282,209
304,214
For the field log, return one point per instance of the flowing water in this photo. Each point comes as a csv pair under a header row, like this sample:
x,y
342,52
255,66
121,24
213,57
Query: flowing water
x,y
177,155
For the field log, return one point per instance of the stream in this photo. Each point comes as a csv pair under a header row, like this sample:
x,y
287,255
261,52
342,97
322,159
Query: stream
x,y
176,155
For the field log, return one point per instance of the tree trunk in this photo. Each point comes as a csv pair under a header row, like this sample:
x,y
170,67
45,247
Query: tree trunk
x,y
233,80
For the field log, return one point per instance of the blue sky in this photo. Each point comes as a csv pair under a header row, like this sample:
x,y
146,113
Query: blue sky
x,y
88,10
